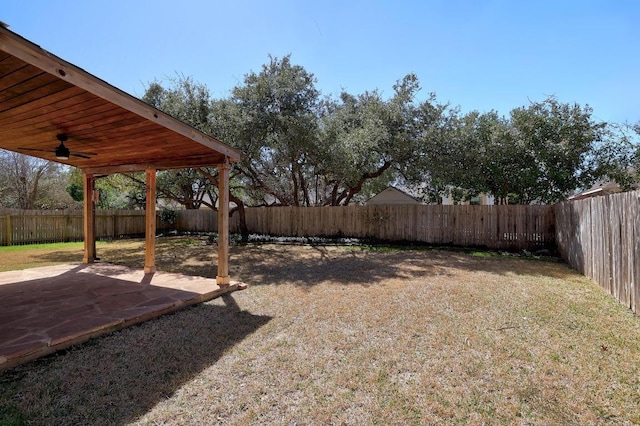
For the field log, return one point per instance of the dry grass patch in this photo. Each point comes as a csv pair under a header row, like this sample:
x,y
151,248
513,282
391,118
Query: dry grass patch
x,y
330,335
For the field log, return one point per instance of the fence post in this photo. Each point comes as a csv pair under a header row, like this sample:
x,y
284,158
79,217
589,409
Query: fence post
x,y
115,225
8,223
64,226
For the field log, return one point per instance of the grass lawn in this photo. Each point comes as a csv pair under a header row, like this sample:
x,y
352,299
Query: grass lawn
x,y
31,256
343,335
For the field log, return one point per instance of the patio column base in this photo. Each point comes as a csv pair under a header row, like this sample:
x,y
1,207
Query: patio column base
x,y
223,281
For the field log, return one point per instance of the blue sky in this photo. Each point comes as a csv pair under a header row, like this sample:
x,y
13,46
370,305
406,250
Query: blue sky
x,y
480,55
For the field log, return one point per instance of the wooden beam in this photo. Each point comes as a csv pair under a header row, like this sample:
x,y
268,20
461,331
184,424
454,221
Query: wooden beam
x,y
89,219
132,168
223,278
150,228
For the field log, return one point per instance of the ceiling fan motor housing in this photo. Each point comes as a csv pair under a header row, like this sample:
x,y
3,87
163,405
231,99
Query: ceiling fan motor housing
x,y
62,152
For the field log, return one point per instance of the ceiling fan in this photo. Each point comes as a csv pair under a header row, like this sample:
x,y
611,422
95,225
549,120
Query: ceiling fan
x,y
62,152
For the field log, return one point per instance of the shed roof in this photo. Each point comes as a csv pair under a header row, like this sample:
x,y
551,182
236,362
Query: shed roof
x,y
42,96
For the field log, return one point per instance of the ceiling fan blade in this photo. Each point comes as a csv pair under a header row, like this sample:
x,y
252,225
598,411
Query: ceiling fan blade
x,y
82,153
34,149
77,154
74,153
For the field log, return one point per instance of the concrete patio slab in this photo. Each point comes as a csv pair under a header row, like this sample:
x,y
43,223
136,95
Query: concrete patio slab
x,y
51,308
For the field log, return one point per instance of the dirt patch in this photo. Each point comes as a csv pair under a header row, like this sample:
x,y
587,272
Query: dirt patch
x,y
335,335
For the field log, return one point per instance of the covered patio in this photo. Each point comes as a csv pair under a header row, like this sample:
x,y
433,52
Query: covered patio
x,y
52,109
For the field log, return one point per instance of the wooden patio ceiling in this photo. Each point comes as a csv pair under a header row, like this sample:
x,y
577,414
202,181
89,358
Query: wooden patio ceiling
x,y
42,96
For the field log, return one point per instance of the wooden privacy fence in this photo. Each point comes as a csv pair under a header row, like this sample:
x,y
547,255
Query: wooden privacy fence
x,y
600,237
494,227
45,226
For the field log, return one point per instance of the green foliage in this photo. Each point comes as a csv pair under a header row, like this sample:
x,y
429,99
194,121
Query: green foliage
x,y
272,118
540,153
116,191
168,216
184,99
555,141
302,149
75,190
369,139
10,415
618,156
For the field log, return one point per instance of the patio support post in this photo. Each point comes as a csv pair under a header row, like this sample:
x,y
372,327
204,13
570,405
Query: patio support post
x,y
89,218
223,278
150,221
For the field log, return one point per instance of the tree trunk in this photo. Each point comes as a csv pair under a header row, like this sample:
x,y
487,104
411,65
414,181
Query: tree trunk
x,y
305,190
294,178
347,194
244,231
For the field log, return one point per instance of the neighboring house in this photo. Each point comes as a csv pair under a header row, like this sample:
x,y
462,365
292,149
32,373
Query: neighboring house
x,y
481,200
392,195
599,188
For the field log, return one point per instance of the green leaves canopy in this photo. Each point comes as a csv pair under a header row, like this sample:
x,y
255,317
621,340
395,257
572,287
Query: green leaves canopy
x,y
541,153
302,149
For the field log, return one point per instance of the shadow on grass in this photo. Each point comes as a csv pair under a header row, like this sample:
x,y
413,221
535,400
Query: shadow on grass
x,y
272,264
309,265
129,254
63,256
120,377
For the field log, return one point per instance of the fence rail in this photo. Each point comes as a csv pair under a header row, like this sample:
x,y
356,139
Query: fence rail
x,y
600,237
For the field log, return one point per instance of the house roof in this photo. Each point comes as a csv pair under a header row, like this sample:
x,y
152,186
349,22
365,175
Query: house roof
x,y
392,195
599,188
42,96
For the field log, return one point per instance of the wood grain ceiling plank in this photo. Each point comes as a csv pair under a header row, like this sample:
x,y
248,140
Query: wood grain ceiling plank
x,y
14,74
43,106
14,97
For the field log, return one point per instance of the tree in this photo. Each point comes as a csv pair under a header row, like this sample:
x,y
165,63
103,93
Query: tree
x,y
31,183
369,142
455,154
617,157
191,103
540,153
272,118
559,139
